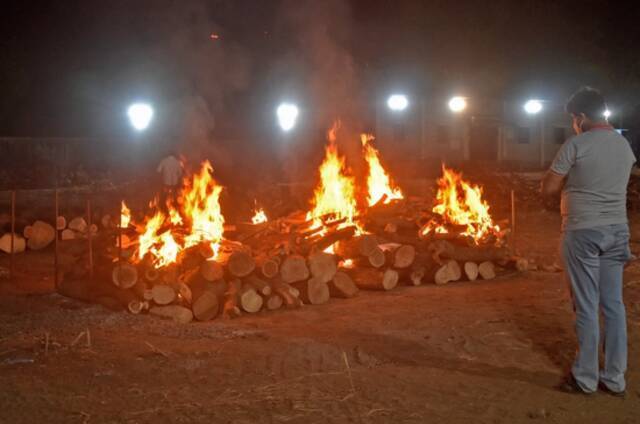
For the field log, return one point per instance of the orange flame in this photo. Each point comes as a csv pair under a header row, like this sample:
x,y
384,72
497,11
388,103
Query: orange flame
x,y
198,218
460,203
259,217
125,215
336,192
378,181
201,197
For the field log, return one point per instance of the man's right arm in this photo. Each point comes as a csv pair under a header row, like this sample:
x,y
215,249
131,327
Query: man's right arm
x,y
555,178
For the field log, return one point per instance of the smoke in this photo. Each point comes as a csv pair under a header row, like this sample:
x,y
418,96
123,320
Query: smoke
x,y
322,40
205,70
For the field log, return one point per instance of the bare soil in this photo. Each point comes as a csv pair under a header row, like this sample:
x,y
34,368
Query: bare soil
x,y
482,352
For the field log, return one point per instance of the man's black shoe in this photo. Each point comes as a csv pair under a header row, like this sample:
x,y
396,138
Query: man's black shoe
x,y
604,389
570,385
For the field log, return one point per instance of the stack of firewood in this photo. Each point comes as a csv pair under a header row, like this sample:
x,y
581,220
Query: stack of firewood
x,y
278,264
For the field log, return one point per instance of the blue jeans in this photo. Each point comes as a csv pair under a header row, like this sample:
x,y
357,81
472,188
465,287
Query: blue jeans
x,y
594,259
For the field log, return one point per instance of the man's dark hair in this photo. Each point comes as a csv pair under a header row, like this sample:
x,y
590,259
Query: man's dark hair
x,y
589,101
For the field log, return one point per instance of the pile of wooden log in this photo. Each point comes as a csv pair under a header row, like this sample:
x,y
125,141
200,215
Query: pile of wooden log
x,y
284,263
39,234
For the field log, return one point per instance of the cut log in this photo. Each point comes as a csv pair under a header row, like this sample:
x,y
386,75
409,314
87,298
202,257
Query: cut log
x,y
417,275
413,276
249,299
137,306
289,294
362,245
151,274
124,275
231,307
404,256
42,235
446,250
67,234
331,238
323,266
258,284
206,306
177,313
273,302
211,271
372,279
516,262
28,230
240,264
163,294
471,270
294,269
78,224
169,274
342,286
448,272
19,243
376,259
61,223
487,270
312,291
269,267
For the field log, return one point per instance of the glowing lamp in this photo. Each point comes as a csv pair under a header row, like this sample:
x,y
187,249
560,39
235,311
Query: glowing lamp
x,y
398,102
533,107
140,116
287,114
457,104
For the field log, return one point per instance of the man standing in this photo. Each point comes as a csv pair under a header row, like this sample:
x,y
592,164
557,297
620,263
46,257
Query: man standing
x,y
170,169
592,171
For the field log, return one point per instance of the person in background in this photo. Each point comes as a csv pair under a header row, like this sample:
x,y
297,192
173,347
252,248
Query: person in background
x,y
170,169
592,171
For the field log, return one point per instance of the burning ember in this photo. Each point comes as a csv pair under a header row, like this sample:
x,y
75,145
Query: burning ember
x,y
335,196
125,215
259,217
459,203
195,219
379,183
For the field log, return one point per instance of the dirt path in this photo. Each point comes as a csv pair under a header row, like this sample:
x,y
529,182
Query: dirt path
x,y
483,352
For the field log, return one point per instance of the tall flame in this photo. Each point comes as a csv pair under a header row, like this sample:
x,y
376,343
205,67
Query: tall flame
x,y
201,202
379,183
336,192
460,203
197,219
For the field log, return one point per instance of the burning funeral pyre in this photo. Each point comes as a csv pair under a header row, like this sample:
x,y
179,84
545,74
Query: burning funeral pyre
x,y
181,262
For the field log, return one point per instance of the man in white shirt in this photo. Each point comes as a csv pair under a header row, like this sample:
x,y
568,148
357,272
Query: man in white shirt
x,y
170,169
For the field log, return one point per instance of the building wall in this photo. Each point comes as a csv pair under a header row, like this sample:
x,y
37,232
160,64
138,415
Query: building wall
x,y
489,130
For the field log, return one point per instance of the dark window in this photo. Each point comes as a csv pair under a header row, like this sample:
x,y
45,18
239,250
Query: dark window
x,y
559,135
523,135
442,134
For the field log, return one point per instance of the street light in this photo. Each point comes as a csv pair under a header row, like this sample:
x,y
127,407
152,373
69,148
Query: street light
x,y
607,113
398,102
140,115
457,104
287,114
533,107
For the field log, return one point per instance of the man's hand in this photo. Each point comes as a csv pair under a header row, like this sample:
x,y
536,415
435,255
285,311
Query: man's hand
x,y
552,183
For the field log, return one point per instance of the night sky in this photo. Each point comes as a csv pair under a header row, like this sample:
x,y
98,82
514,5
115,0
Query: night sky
x,y
70,67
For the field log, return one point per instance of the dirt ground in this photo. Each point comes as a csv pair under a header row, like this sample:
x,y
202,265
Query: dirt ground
x,y
482,352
